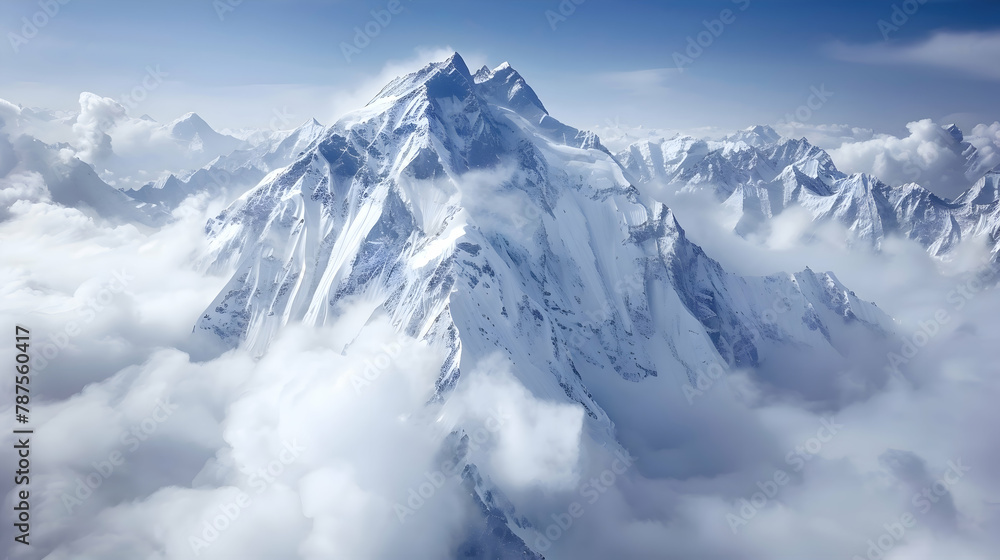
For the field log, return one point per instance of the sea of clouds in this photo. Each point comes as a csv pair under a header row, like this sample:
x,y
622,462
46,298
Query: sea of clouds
x,y
152,442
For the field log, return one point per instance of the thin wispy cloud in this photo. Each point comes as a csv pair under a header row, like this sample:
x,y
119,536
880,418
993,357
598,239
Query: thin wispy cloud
x,y
973,53
645,82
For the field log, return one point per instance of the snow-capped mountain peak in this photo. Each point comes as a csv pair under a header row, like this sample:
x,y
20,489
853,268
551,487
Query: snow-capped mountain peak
x,y
484,233
187,125
450,78
955,132
194,131
505,86
757,136
986,191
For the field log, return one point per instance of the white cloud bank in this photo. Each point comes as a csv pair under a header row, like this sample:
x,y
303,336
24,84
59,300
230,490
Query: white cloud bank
x,y
290,456
928,155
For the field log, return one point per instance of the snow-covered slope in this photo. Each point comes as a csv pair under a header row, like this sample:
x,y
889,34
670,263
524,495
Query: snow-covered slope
x,y
760,174
457,206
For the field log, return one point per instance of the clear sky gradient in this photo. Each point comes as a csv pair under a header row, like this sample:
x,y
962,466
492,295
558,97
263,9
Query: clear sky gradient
x,y
605,62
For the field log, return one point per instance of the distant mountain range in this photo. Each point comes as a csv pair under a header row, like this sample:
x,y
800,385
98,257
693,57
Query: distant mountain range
x,y
759,174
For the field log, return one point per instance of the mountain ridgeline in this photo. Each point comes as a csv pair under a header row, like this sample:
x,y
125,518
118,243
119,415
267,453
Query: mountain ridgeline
x,y
455,205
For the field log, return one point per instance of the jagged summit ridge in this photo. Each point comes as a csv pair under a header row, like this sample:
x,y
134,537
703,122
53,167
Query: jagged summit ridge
x,y
761,174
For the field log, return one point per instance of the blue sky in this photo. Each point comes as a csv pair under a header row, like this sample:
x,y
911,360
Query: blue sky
x,y
605,62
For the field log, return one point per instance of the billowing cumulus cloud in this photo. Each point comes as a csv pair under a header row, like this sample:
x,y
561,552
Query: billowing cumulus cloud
x,y
125,150
986,139
327,445
98,116
8,111
21,188
929,156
